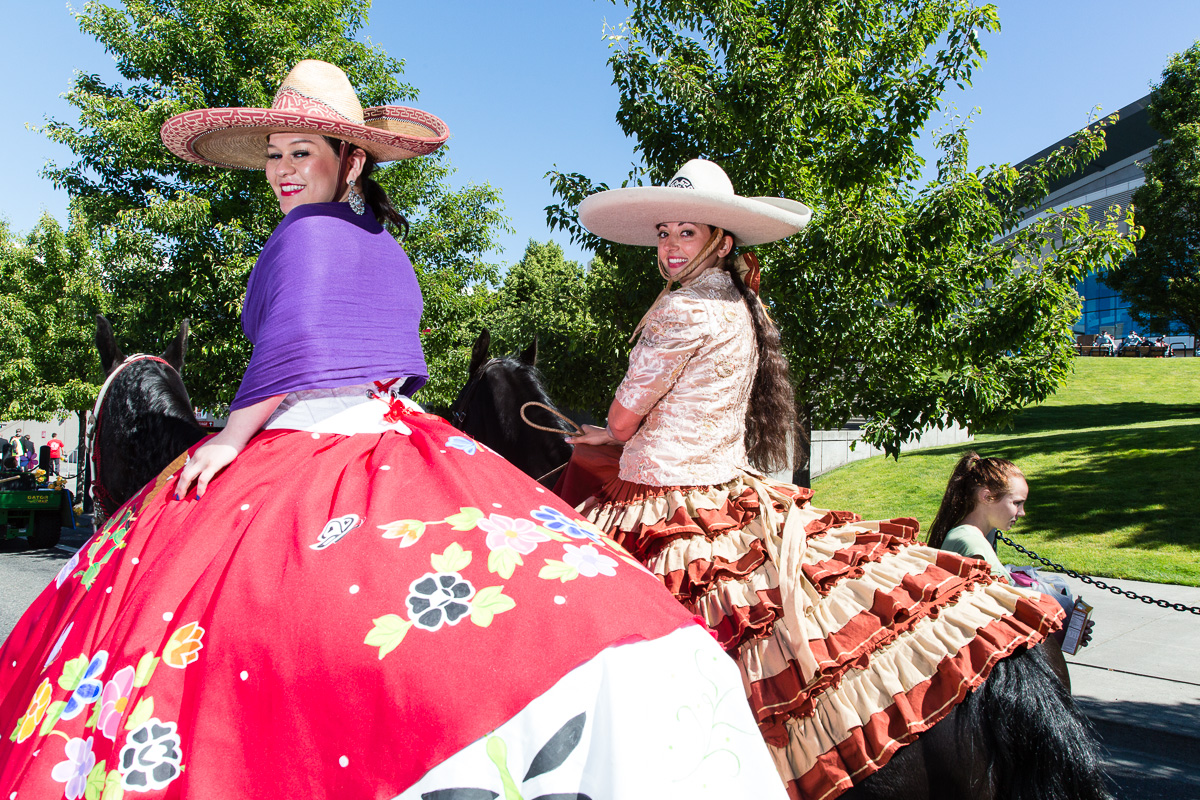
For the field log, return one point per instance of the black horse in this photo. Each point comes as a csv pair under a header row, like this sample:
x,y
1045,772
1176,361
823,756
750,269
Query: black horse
x,y
1019,736
145,418
488,408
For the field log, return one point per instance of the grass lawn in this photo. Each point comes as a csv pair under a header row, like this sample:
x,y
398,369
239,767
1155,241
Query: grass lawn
x,y
1113,462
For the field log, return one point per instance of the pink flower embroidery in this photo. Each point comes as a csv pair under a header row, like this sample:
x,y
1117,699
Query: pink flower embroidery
x,y
589,561
521,535
113,700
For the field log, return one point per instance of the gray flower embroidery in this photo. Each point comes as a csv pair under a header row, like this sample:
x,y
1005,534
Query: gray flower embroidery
x,y
438,598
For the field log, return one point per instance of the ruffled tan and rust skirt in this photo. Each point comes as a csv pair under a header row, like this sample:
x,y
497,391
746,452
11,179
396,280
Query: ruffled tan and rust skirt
x,y
852,638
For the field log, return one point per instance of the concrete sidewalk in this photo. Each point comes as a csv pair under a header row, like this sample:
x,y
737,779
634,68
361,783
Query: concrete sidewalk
x,y
1142,668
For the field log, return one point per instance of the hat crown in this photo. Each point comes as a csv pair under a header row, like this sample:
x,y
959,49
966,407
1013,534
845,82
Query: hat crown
x,y
702,175
319,89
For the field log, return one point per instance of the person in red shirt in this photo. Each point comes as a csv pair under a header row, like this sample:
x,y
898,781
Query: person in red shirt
x,y
56,447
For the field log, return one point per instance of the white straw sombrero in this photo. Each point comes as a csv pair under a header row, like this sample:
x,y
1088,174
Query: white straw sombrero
x,y
315,96
700,192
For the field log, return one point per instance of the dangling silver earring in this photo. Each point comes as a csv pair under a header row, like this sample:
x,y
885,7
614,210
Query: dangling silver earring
x,y
357,204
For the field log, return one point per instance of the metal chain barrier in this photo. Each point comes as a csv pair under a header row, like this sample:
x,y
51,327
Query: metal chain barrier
x,y
1099,584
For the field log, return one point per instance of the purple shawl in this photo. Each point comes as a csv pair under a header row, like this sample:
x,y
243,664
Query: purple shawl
x,y
332,301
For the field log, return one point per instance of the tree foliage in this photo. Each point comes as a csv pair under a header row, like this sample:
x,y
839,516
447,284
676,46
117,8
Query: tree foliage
x,y
179,239
910,305
570,311
50,292
1161,281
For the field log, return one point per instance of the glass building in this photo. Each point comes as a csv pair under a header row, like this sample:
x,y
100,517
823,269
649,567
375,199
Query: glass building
x,y
1109,180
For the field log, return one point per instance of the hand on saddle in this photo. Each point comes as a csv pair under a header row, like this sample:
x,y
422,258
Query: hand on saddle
x,y
594,435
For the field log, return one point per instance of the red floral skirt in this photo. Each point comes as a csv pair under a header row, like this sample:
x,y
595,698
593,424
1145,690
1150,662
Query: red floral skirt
x,y
867,640
337,615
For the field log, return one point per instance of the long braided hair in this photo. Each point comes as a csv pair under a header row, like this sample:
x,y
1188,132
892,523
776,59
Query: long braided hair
x,y
372,192
771,414
971,473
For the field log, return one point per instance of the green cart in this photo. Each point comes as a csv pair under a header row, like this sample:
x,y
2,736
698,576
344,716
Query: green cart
x,y
39,514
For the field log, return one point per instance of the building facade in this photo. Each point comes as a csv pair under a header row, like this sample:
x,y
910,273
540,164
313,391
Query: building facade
x,y
1109,180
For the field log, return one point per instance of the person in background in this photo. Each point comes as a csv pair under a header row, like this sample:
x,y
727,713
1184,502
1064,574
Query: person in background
x,y
1106,343
13,448
983,496
56,449
29,457
1132,340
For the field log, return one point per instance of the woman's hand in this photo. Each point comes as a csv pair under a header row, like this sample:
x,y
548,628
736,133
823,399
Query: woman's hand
x,y
209,459
220,451
593,435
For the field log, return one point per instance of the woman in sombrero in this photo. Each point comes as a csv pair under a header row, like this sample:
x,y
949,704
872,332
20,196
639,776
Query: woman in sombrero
x,y
341,596
851,641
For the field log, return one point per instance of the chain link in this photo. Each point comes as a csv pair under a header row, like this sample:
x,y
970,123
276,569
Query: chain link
x,y
1099,584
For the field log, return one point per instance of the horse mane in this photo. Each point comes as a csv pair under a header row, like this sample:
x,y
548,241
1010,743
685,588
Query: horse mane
x,y
488,408
515,372
146,419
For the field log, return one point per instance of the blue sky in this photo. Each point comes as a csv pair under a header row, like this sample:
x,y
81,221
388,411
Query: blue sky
x,y
524,86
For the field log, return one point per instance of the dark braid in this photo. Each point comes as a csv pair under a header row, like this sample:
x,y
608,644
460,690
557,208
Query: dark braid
x,y
772,409
373,193
970,473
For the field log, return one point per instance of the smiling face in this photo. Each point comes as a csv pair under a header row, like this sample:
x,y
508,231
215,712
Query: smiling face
x,y
1003,512
302,168
680,242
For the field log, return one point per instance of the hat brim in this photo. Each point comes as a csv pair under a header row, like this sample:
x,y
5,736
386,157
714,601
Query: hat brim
x,y
631,215
237,137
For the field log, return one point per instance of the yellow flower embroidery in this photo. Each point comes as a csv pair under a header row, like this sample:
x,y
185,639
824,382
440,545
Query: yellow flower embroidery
x,y
408,531
184,646
37,710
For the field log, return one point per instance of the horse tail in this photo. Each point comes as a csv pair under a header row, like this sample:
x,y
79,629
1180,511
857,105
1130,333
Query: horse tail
x,y
1041,746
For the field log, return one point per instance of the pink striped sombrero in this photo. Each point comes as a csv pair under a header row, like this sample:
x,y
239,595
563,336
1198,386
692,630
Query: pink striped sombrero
x,y
315,96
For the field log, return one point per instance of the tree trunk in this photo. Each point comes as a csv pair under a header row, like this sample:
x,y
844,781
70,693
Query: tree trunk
x,y
83,469
802,446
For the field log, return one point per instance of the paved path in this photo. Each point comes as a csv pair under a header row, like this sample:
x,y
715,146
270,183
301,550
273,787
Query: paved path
x,y
1139,682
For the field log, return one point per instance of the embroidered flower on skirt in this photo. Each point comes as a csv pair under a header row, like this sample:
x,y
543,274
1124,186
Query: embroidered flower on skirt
x,y
438,598
88,690
74,771
150,758
589,561
468,446
113,700
519,534
556,520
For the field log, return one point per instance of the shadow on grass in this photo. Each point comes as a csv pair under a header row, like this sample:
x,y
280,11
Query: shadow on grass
x,y
1145,479
1057,418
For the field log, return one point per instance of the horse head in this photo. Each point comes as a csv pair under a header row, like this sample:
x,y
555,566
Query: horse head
x,y
488,408
143,418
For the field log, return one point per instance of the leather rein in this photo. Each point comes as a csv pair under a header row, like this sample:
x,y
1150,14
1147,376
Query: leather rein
x,y
459,418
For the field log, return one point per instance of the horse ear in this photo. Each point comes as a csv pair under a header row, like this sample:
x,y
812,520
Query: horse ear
x,y
529,355
110,353
479,353
177,349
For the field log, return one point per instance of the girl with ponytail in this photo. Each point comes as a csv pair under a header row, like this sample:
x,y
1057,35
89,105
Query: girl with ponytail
x,y
984,495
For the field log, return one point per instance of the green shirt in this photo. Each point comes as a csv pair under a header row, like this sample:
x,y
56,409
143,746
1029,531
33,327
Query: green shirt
x,y
967,540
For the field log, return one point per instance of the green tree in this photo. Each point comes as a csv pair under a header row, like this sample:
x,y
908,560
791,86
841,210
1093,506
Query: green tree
x,y
568,309
907,305
50,292
1161,281
179,239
